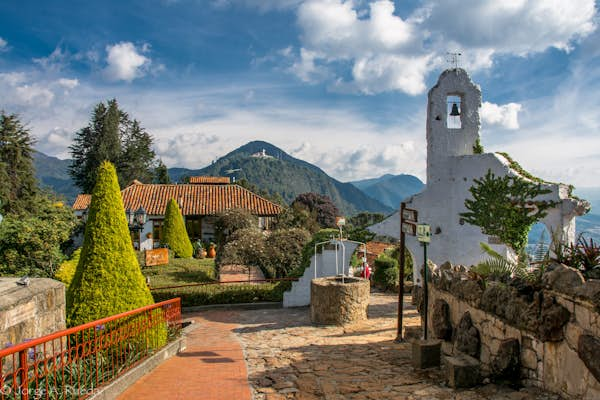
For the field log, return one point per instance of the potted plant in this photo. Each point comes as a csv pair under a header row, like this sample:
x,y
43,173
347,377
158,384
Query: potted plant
x,y
199,251
212,252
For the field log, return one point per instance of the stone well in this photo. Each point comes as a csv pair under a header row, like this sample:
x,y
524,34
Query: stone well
x,y
334,302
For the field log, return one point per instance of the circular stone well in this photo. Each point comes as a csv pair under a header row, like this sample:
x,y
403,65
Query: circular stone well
x,y
335,303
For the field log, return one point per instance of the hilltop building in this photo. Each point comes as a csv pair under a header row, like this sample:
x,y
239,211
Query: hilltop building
x,y
452,131
200,201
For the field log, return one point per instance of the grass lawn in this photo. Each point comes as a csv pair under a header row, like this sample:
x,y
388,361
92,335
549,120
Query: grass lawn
x,y
181,271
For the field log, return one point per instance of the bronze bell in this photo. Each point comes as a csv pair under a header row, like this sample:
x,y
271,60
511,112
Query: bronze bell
x,y
454,112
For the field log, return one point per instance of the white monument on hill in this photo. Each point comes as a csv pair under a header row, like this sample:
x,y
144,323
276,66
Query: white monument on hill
x,y
451,167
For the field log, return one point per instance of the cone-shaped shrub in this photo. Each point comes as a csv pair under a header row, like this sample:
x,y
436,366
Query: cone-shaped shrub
x,y
174,234
108,279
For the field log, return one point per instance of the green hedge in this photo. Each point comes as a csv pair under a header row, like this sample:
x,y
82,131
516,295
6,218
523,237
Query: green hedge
x,y
224,294
386,272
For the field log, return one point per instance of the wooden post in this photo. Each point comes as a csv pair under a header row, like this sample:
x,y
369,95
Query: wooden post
x,y
401,262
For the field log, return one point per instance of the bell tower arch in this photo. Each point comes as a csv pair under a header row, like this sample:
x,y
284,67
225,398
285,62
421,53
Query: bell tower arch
x,y
452,120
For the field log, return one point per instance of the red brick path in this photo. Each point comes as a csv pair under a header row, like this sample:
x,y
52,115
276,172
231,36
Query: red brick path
x,y
236,273
211,368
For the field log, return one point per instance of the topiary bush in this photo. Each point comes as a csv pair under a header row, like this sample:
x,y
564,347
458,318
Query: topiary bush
x,y
108,279
66,271
174,234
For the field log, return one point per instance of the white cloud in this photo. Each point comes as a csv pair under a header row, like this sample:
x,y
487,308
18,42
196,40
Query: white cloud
x,y
518,27
68,83
506,116
125,62
3,44
385,52
19,91
55,62
306,69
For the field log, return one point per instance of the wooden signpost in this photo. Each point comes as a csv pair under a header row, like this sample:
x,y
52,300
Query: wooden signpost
x,y
408,226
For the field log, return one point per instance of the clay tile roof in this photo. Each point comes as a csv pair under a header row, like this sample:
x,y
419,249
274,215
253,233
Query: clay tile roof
x,y
219,180
82,202
193,199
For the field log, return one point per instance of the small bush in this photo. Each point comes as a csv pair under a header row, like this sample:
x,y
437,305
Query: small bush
x,y
246,247
224,294
229,221
283,251
66,271
386,272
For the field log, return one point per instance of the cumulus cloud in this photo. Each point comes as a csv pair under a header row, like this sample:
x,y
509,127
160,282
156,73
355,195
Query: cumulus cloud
x,y
125,62
182,149
518,27
385,52
19,91
506,116
3,44
68,83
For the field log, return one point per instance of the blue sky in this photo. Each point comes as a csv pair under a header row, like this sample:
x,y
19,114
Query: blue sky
x,y
338,83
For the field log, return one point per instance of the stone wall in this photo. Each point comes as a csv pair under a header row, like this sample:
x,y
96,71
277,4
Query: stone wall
x,y
28,312
566,363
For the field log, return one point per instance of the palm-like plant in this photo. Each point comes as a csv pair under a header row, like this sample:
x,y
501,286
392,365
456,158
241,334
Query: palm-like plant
x,y
501,268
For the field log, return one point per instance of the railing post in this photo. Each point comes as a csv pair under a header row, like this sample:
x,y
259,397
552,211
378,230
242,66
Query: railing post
x,y
24,376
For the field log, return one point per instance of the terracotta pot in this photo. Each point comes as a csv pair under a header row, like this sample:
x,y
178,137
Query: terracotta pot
x,y
203,252
212,253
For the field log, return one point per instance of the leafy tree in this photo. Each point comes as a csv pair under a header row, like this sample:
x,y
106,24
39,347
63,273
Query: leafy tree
x,y
19,186
297,216
231,220
365,219
161,173
174,234
137,160
499,208
324,208
113,137
32,243
108,278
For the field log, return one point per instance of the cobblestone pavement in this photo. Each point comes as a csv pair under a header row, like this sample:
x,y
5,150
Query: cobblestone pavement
x,y
288,358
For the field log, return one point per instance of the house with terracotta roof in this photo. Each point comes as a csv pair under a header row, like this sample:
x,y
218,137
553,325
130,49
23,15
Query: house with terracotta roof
x,y
200,201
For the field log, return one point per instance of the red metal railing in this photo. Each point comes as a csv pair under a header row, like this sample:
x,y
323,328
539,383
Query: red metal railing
x,y
75,362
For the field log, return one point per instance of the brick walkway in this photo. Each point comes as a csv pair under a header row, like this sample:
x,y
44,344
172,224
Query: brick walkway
x,y
211,368
235,273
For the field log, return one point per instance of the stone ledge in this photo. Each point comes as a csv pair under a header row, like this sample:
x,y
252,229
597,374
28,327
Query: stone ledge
x,y
118,386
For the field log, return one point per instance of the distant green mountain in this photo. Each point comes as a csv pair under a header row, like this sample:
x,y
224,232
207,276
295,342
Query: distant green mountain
x,y
278,172
53,173
390,189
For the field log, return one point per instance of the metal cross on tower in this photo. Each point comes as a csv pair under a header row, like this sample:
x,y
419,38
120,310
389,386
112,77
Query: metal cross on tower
x,y
453,59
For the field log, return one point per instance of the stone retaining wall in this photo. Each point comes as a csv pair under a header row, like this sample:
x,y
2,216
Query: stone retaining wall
x,y
568,365
28,312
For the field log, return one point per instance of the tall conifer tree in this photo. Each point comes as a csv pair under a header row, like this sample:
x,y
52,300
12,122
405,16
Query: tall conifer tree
x,y
17,174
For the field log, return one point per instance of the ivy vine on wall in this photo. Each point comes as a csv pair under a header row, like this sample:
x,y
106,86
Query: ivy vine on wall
x,y
502,206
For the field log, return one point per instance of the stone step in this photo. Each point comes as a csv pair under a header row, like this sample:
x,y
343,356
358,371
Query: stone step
x,y
462,371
